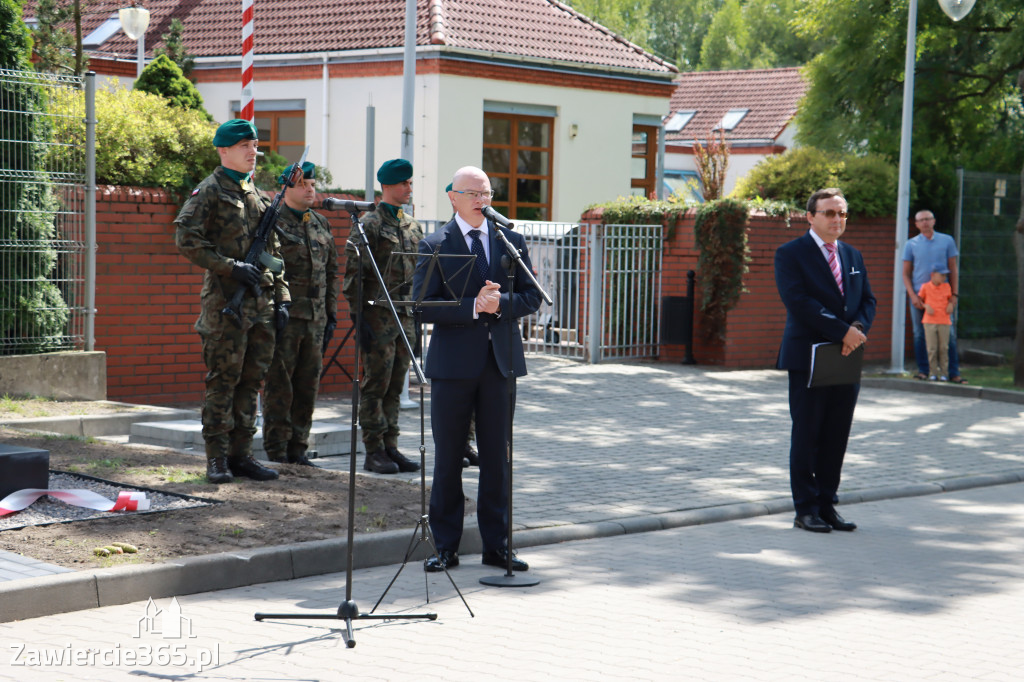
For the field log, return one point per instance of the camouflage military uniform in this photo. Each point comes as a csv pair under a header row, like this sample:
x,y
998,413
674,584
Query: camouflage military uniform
x,y
386,361
311,268
215,228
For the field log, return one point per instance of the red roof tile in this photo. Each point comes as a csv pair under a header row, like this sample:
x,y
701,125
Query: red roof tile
x,y
771,95
541,29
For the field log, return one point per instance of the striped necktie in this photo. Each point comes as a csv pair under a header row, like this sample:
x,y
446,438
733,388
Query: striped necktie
x,y
833,264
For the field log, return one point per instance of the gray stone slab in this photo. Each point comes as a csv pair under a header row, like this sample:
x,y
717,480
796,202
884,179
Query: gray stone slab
x,y
327,438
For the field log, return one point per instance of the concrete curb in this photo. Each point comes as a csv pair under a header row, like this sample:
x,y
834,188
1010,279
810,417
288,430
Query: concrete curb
x,y
65,592
98,425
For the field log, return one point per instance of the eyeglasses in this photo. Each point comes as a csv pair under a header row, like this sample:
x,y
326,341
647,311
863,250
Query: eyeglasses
x,y
473,194
832,213
924,220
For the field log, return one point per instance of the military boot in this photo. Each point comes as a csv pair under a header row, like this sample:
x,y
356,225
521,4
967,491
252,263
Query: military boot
x,y
404,463
297,455
217,470
250,468
378,462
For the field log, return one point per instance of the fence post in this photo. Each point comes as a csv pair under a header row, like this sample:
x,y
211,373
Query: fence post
x,y
595,323
90,211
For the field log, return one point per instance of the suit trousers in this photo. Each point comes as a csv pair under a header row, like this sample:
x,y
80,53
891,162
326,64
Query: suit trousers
x,y
452,404
822,418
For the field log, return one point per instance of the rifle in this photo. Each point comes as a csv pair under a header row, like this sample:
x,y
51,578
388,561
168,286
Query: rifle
x,y
257,251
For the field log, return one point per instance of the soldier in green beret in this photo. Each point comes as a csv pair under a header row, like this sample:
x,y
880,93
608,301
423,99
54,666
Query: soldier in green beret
x,y
214,230
385,359
311,268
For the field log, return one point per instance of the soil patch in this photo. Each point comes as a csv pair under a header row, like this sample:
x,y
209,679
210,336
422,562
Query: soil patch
x,y
304,504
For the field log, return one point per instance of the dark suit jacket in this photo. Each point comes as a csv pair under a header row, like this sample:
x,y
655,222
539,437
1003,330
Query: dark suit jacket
x,y
815,310
459,344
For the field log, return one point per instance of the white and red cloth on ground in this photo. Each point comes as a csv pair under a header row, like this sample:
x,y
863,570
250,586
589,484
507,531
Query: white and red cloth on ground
x,y
126,501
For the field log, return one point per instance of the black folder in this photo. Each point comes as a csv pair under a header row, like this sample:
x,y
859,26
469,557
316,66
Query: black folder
x,y
829,367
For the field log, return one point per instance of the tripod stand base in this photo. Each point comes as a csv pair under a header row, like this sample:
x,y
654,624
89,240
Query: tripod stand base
x,y
517,580
348,611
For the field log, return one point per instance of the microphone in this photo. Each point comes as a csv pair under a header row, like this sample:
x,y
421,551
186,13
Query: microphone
x,y
350,206
496,217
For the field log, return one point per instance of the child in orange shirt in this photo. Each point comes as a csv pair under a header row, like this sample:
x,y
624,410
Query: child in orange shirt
x,y
938,305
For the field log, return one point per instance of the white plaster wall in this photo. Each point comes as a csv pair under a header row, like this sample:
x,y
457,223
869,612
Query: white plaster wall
x,y
591,168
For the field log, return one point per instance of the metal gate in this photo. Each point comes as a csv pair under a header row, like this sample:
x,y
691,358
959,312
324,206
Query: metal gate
x,y
605,286
42,217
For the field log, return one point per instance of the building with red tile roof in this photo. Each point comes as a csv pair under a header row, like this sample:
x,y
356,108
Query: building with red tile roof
x,y
753,109
531,90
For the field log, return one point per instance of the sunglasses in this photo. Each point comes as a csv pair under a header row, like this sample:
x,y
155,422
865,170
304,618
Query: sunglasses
x,y
832,213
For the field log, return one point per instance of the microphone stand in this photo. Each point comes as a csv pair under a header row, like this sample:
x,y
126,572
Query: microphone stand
x,y
348,610
510,261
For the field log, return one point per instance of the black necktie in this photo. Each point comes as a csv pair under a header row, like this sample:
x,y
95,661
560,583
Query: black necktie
x,y
481,258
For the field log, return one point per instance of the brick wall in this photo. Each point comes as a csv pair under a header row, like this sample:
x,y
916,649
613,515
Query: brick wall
x,y
754,327
147,299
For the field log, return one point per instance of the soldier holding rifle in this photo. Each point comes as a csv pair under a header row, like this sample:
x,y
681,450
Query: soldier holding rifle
x,y
216,230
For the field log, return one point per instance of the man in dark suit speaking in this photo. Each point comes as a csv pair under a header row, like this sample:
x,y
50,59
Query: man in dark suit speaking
x,y
824,286
474,347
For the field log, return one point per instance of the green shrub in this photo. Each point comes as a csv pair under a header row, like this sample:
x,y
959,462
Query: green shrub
x,y
142,140
720,231
163,77
869,182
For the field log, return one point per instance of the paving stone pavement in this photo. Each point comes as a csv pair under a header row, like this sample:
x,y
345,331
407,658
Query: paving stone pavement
x,y
929,588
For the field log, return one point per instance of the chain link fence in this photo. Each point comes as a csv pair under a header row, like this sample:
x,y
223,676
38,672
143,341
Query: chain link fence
x,y
42,218
989,210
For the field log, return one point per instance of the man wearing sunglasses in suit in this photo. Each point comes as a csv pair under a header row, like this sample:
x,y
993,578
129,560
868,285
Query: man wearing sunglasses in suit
x,y
824,285
474,348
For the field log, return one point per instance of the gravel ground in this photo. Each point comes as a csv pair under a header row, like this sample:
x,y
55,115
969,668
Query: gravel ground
x,y
47,510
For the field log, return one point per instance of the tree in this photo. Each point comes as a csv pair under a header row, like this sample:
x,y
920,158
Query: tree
x,y
628,18
163,77
174,48
33,314
756,34
678,29
54,44
966,109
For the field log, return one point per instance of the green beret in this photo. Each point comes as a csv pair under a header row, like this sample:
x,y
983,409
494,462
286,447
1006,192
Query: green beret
x,y
308,172
394,171
448,188
233,132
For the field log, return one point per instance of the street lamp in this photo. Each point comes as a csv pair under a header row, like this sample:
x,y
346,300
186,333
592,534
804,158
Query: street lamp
x,y
134,22
957,10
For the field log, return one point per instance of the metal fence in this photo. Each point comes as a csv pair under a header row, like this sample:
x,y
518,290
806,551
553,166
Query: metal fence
x,y
990,206
42,217
605,286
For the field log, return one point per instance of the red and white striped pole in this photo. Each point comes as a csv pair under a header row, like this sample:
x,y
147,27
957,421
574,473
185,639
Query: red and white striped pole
x,y
248,107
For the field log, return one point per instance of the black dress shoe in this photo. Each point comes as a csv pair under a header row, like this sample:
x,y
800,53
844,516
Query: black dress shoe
x,y
440,561
499,557
811,522
837,522
217,470
379,463
471,456
465,462
404,463
250,468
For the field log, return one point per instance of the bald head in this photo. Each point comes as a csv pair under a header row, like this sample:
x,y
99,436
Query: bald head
x,y
471,191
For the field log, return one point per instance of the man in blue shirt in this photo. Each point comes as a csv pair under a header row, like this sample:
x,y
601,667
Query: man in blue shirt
x,y
922,254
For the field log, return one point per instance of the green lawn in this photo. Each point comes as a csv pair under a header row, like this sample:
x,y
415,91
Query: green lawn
x,y
983,375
